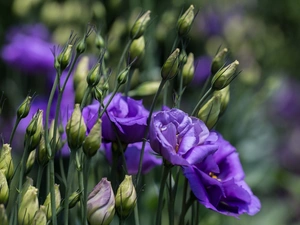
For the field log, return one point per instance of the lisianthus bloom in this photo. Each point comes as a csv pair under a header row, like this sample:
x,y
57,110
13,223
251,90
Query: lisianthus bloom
x,y
126,119
180,139
132,156
218,182
29,49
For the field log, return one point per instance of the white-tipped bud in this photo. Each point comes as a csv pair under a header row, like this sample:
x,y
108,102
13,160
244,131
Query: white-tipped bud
x,y
170,67
184,23
140,25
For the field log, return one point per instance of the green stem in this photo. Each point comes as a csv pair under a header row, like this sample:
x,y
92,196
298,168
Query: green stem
x,y
39,177
123,55
85,97
184,210
14,130
81,188
130,74
136,215
69,184
110,99
52,190
201,101
85,183
164,177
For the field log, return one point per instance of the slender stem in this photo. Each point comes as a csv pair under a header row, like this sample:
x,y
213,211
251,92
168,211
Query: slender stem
x,y
161,85
184,210
130,74
164,177
85,183
62,171
85,97
110,99
123,55
14,130
69,181
81,188
201,101
171,201
136,215
52,190
39,177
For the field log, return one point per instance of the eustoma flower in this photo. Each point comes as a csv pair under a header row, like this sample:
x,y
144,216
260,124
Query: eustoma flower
x,y
180,139
218,182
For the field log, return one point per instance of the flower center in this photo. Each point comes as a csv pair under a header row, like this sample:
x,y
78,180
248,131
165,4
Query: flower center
x,y
212,175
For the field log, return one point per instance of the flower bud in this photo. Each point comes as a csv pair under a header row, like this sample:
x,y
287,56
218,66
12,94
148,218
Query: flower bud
x,y
137,51
122,77
42,155
26,185
92,142
3,215
53,142
64,57
99,41
40,217
225,97
224,76
34,130
218,61
140,25
24,108
29,206
76,129
126,197
101,204
97,94
94,76
170,67
4,190
184,23
145,89
188,70
209,113
81,46
30,161
73,199
47,202
6,162
81,71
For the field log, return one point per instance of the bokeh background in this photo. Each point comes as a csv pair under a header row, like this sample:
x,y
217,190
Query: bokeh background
x,y
262,119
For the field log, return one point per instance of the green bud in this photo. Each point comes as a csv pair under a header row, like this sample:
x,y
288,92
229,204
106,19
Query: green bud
x,y
145,89
81,46
218,61
3,215
73,199
47,202
4,190
56,142
40,217
30,161
182,57
76,129
6,162
224,76
97,94
126,197
24,108
170,67
29,206
94,76
26,185
123,75
225,97
188,70
184,23
209,113
64,57
99,41
92,142
34,130
79,92
42,155
81,71
101,204
137,51
140,25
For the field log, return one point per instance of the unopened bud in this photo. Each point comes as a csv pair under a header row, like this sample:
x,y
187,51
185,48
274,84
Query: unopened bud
x,y
47,203
73,199
64,57
4,190
170,67
3,215
188,70
6,162
225,97
184,23
40,217
137,50
125,197
34,130
76,129
218,61
79,92
30,161
26,185
42,155
224,76
53,142
145,89
140,25
101,204
81,71
92,142
24,108
29,206
97,94
209,113
94,76
123,75
99,41
81,46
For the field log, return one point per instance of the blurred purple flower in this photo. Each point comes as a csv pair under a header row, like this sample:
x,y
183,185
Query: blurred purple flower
x,y
210,23
132,157
180,139
29,49
129,118
218,182
202,71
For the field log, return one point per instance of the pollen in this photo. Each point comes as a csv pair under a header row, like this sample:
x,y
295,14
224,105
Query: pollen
x,y
212,175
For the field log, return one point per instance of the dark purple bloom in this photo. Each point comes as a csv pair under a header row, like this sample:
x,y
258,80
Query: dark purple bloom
x,y
127,119
29,49
132,157
218,182
180,139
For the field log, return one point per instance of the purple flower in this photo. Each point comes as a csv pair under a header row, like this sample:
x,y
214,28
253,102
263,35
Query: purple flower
x,y
127,119
132,157
29,49
180,139
218,182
